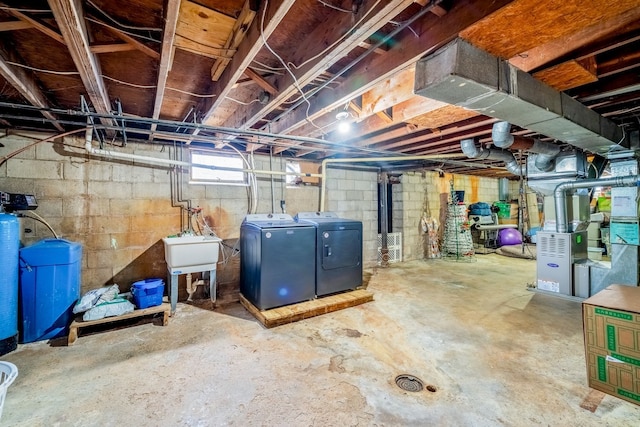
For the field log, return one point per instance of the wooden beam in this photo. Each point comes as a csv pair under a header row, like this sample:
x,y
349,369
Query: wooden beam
x,y
131,40
240,28
407,49
111,47
389,92
36,24
68,15
365,44
24,83
260,81
15,25
247,51
201,49
375,15
545,53
171,12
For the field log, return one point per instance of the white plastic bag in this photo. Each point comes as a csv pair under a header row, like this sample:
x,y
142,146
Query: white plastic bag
x,y
95,297
115,307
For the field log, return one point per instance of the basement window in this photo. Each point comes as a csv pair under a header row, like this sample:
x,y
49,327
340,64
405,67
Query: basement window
x,y
204,175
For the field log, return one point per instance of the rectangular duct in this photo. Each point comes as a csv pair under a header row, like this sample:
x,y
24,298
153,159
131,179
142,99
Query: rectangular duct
x,y
463,75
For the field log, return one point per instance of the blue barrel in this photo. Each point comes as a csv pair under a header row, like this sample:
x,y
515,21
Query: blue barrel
x,y
9,247
49,288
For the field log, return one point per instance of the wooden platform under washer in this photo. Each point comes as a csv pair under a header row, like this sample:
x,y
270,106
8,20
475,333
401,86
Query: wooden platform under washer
x,y
79,323
304,310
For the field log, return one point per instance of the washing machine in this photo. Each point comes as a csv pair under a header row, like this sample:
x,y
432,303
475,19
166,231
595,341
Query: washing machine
x,y
277,260
338,251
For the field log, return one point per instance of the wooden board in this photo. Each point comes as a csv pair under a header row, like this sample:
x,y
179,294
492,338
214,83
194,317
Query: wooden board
x,y
569,74
443,116
304,310
203,26
79,323
509,31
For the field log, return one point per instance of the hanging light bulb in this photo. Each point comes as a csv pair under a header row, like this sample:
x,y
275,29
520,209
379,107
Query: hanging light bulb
x,y
343,124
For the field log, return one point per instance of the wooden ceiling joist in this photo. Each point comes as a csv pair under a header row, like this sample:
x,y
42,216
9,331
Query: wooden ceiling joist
x,y
406,50
24,83
68,15
131,40
15,25
247,51
43,28
111,47
166,56
240,28
374,16
260,81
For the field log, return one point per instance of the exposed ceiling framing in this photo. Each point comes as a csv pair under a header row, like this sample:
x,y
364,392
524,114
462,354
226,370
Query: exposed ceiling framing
x,y
287,67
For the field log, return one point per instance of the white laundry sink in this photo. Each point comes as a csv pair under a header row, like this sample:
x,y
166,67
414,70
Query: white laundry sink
x,y
189,254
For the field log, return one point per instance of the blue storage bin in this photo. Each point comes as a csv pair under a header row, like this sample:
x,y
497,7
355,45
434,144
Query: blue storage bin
x,y
147,293
49,288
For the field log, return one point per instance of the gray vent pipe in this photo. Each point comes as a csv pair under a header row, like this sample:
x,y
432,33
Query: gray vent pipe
x,y
560,196
471,150
546,153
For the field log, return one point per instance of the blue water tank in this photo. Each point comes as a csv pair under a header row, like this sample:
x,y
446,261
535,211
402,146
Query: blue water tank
x,y
9,246
49,288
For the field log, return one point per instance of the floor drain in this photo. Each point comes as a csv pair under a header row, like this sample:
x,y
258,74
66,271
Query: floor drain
x,y
409,383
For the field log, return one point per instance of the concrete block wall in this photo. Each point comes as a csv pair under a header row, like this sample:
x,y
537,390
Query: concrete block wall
x,y
421,193
353,194
120,210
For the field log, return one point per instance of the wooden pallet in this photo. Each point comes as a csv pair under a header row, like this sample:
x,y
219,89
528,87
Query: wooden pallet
x,y
79,323
304,310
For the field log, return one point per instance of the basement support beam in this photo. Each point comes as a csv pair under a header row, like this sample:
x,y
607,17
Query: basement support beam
x,y
172,10
70,19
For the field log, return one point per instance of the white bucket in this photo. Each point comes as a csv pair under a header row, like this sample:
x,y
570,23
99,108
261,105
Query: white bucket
x,y
8,373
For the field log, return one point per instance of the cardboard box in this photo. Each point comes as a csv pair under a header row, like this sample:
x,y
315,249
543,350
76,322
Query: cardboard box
x,y
611,323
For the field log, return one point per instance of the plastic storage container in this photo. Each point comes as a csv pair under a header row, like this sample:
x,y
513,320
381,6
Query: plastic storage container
x,y
49,288
147,293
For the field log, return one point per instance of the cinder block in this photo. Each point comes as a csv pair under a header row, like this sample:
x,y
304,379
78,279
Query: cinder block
x,y
109,224
48,207
100,258
93,278
99,171
165,224
150,191
74,171
109,190
34,169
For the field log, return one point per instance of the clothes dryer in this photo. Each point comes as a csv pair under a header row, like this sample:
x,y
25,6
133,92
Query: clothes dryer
x,y
338,251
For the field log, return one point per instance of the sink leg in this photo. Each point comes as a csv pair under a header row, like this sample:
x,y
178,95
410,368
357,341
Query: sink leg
x,y
173,293
212,285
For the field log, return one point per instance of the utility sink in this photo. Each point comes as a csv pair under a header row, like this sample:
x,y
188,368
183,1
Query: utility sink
x,y
190,254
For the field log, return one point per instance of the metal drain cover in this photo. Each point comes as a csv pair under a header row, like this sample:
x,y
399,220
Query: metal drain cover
x,y
409,383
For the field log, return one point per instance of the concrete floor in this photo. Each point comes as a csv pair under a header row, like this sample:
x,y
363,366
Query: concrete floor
x,y
496,354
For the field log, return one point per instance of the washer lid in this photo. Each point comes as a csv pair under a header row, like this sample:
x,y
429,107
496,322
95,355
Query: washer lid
x,y
275,220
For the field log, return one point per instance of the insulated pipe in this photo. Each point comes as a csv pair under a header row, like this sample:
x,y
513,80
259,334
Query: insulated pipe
x,y
560,197
325,162
471,150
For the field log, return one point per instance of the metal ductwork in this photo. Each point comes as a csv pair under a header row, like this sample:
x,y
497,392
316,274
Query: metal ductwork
x,y
560,195
463,75
471,150
545,152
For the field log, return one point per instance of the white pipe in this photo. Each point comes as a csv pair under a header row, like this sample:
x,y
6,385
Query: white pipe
x,y
156,160
494,227
325,162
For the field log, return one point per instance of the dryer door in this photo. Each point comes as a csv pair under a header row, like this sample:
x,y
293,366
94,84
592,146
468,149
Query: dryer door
x,y
341,248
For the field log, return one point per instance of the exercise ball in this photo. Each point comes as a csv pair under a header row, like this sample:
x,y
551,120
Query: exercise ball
x,y
509,236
